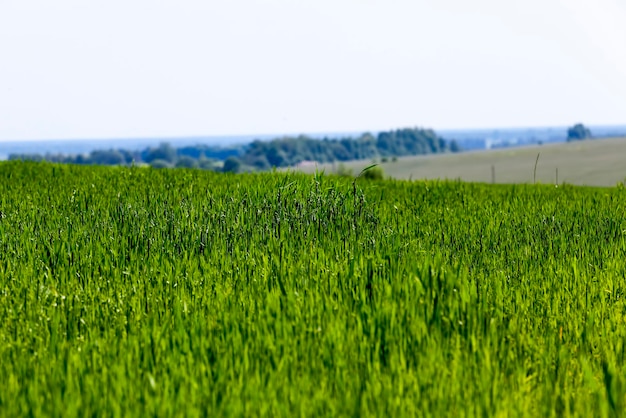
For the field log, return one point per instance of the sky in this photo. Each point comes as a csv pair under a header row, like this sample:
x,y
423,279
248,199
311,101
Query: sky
x,y
73,69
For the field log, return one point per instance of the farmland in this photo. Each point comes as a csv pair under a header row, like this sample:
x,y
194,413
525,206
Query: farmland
x,y
136,291
598,162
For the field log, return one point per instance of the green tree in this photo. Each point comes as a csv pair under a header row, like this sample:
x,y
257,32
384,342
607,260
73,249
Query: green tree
x,y
275,156
259,162
578,132
206,163
231,165
110,157
163,152
186,162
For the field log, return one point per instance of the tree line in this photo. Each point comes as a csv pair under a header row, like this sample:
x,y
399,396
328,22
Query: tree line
x,y
262,155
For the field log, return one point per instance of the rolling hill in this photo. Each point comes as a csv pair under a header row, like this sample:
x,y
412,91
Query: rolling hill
x,y
599,162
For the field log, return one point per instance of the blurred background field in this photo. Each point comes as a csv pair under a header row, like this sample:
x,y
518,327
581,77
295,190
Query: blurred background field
x,y
598,162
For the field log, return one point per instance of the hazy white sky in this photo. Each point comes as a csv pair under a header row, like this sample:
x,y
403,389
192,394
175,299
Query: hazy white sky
x,y
127,68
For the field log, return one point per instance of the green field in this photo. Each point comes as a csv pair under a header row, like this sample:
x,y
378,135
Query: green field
x,y
143,292
599,162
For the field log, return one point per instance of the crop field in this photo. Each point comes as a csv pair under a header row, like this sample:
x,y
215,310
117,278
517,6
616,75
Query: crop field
x,y
143,292
597,162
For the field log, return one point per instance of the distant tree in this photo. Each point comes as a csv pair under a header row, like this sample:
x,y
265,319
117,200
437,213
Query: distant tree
x,y
130,157
231,165
163,152
110,157
82,159
186,162
214,152
578,132
206,163
275,156
26,157
454,146
259,162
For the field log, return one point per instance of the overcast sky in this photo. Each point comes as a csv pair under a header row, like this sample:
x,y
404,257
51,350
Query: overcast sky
x,y
135,68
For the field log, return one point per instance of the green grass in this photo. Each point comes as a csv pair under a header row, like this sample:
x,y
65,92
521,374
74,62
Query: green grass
x,y
598,162
136,292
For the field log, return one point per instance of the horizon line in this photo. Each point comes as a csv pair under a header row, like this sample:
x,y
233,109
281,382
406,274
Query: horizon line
x,y
279,135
